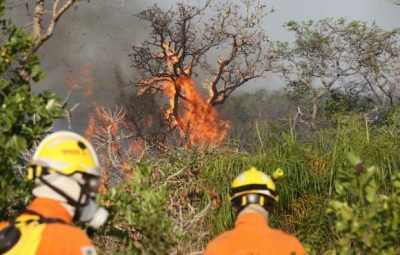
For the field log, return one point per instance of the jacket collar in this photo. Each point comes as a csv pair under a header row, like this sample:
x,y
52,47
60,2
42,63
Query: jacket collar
x,y
251,220
50,208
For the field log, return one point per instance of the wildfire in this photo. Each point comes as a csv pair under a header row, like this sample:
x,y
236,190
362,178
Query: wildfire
x,y
106,126
197,120
91,129
137,147
82,81
106,130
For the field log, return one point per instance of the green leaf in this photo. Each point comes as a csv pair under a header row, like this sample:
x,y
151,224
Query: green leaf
x,y
16,143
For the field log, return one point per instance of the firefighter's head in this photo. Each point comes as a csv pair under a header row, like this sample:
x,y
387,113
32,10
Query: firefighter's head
x,y
254,187
65,168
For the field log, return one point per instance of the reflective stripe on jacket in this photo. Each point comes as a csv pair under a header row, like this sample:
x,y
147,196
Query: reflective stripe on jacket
x,y
49,238
253,236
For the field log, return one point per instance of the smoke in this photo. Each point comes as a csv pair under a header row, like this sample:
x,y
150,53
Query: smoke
x,y
94,35
97,35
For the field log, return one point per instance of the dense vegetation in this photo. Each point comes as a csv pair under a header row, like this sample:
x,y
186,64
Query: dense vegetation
x,y
181,196
340,194
25,116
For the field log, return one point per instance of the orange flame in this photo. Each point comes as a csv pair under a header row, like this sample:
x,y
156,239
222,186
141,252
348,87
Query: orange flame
x,y
198,121
91,129
99,122
137,147
81,81
106,129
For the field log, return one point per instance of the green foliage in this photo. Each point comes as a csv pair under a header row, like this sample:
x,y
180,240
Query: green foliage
x,y
185,183
245,110
341,103
139,216
175,202
333,65
24,116
368,212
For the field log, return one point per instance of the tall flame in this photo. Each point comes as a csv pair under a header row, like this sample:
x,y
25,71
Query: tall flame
x,y
198,121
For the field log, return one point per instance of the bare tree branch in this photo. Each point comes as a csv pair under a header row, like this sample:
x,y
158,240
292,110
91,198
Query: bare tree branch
x,y
42,35
181,43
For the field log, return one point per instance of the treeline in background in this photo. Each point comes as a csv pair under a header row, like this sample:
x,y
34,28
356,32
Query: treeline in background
x,y
178,134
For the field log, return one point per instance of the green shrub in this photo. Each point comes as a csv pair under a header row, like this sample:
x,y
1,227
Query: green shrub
x,y
139,217
367,211
192,185
24,115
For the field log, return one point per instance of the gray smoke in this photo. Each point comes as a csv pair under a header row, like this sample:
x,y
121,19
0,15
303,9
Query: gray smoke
x,y
94,35
99,34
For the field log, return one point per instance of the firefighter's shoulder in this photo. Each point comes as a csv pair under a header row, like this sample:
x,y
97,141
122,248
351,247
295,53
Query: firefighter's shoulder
x,y
65,239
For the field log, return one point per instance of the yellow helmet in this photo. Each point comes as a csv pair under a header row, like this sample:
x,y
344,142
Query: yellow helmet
x,y
254,187
66,153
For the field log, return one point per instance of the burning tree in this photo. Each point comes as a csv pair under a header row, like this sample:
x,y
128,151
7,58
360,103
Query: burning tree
x,y
222,42
114,142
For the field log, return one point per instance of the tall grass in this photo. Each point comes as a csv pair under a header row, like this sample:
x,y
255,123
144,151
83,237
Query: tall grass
x,y
310,164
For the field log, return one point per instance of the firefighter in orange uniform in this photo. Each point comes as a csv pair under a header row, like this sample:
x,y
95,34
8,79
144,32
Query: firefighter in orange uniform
x,y
65,169
252,196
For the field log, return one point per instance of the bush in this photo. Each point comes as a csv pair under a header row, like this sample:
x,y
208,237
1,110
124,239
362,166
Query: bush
x,y
139,217
190,186
367,212
24,116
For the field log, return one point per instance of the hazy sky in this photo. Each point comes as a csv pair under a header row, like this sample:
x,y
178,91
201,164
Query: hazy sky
x,y
99,34
384,12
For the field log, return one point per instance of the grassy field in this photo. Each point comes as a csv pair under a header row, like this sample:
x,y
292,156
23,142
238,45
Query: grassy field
x,y
183,192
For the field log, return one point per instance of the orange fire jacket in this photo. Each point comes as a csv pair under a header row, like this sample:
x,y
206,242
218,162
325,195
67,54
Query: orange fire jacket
x,y
253,236
58,238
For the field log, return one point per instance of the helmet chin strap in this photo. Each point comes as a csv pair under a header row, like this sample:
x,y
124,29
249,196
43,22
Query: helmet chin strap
x,y
77,205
